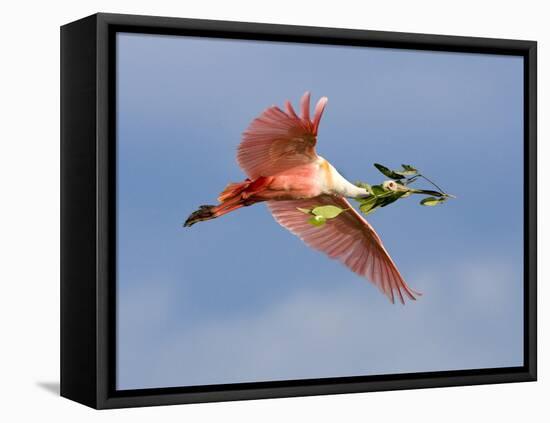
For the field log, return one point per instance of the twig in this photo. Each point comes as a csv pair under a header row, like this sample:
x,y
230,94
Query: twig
x,y
434,184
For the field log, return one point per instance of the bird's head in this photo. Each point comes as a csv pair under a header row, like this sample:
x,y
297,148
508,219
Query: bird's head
x,y
394,186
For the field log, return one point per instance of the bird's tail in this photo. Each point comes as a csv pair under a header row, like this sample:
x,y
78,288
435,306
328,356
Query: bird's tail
x,y
233,197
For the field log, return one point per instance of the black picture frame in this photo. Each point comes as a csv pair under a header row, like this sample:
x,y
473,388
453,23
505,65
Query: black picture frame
x,y
88,197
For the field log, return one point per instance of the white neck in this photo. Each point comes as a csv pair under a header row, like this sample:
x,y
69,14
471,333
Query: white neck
x,y
334,183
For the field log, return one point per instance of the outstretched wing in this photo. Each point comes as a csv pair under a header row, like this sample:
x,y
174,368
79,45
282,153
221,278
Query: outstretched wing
x,y
278,140
348,238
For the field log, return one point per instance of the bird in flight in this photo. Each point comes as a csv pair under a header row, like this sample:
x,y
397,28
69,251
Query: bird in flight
x,y
277,152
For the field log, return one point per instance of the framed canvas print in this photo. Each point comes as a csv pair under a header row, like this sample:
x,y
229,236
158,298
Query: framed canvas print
x,y
255,211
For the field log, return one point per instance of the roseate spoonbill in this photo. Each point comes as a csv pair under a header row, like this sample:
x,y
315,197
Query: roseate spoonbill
x,y
277,152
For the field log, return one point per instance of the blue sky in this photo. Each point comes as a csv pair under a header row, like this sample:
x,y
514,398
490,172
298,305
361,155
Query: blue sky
x,y
239,299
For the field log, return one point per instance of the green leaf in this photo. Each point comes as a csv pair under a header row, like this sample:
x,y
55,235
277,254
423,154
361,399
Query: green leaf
x,y
378,190
388,172
306,211
317,221
369,205
328,212
391,197
408,170
432,201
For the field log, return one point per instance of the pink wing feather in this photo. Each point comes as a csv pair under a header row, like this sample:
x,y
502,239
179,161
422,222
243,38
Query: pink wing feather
x,y
348,238
277,140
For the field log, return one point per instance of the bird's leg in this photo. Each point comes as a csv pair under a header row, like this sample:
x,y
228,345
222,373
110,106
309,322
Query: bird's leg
x,y
205,212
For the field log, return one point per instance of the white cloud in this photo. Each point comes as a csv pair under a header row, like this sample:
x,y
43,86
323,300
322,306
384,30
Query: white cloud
x,y
468,318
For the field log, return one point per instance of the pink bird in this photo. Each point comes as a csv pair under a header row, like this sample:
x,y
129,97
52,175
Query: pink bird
x,y
277,152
